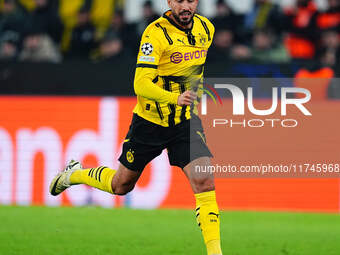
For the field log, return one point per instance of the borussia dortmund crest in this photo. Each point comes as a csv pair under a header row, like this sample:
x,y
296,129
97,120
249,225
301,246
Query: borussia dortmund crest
x,y
203,39
129,156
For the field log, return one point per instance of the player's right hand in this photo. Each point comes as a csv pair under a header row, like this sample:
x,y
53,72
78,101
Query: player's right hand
x,y
187,98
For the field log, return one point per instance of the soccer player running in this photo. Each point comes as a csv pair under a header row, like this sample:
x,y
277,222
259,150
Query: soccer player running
x,y
168,80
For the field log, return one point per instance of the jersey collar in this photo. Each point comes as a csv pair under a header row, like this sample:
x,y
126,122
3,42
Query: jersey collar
x,y
166,16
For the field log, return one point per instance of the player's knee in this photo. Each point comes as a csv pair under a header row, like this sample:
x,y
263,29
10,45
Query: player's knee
x,y
122,190
202,185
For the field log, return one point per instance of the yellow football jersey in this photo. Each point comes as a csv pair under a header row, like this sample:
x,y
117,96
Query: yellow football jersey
x,y
170,61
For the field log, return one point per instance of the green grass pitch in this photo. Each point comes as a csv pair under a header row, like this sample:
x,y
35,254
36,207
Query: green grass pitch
x,y
98,231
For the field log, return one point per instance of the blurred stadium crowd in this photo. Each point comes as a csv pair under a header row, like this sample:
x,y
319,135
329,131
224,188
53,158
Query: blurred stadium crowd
x,y
96,30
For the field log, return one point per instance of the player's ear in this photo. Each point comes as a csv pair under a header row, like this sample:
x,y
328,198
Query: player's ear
x,y
169,3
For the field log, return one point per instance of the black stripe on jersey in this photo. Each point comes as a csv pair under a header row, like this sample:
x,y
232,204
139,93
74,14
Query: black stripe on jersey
x,y
165,33
184,108
182,87
191,38
89,174
159,110
155,80
158,106
172,107
205,27
195,70
176,79
147,66
166,83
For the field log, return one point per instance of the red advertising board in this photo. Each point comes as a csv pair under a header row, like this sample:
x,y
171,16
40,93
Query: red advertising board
x,y
38,135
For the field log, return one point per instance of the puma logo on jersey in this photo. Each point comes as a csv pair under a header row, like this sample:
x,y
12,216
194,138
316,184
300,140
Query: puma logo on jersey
x,y
181,41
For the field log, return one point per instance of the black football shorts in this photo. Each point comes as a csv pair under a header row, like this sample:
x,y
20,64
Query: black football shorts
x,y
145,141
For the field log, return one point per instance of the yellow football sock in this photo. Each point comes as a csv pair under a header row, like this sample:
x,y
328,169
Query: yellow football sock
x,y
100,178
208,219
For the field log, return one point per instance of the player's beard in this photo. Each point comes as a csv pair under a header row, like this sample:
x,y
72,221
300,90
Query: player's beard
x,y
181,22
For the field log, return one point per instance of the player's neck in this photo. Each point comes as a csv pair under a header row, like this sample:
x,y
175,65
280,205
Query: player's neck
x,y
189,26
